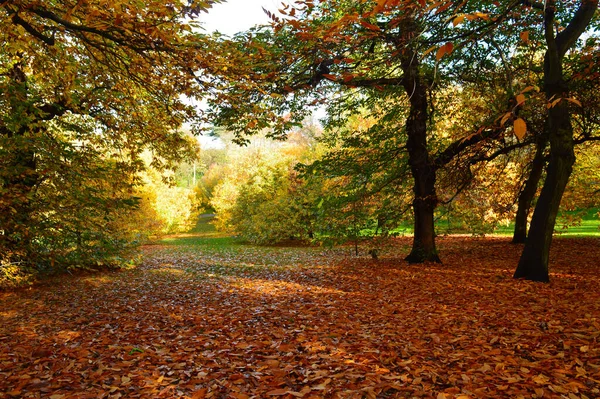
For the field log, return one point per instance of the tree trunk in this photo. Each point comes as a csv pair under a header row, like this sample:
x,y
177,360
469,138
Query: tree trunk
x,y
421,165
528,193
533,264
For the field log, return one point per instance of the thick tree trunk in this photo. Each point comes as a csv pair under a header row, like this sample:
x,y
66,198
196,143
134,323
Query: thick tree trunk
x,y
533,264
528,193
421,165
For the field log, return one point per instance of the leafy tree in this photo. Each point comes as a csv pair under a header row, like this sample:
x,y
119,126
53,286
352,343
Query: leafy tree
x,y
85,88
362,54
364,173
352,49
533,264
262,198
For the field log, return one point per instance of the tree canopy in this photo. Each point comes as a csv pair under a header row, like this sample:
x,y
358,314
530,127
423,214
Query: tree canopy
x,y
85,89
394,59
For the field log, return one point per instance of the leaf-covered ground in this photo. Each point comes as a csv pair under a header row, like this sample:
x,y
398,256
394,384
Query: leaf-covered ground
x,y
226,321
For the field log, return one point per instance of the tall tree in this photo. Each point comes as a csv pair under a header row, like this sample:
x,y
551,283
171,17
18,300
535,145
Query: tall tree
x,y
87,85
533,264
369,51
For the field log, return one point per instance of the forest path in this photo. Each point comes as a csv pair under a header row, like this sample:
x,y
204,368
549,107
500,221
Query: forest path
x,y
205,318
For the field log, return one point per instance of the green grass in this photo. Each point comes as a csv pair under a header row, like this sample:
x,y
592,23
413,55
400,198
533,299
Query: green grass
x,y
203,234
588,227
199,240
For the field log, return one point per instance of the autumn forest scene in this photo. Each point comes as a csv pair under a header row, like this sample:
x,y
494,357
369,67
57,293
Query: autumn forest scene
x,y
319,199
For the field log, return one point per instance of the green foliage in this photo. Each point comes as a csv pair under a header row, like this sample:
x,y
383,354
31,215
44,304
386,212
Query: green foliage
x,y
85,89
364,174
262,198
69,216
175,208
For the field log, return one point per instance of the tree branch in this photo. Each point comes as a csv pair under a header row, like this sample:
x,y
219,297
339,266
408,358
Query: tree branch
x,y
584,14
87,29
50,111
501,151
17,20
533,4
459,145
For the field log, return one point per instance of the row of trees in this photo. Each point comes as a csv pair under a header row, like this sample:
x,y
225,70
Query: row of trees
x,y
315,187
449,87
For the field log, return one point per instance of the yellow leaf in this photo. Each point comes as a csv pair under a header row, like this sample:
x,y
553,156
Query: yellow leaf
x,y
458,20
584,348
505,118
520,128
429,50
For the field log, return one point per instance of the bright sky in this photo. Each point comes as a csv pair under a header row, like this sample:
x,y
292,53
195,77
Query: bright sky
x,y
231,17
235,16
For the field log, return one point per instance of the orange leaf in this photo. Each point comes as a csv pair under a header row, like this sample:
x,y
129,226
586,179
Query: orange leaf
x,y
520,128
429,50
529,88
552,104
505,118
432,6
277,392
445,49
520,99
200,394
381,4
458,20
369,25
524,36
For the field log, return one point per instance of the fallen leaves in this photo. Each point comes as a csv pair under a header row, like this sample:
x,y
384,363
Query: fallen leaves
x,y
244,322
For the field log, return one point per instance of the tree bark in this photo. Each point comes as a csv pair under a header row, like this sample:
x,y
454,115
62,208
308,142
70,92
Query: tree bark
x,y
533,264
527,195
421,165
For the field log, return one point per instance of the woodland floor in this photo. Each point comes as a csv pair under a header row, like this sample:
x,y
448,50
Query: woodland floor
x,y
226,321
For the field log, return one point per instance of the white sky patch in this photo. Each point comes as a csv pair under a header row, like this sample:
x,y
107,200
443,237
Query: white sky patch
x,y
235,16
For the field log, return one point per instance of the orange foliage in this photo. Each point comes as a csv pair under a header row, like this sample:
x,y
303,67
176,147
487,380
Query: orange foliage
x,y
309,323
